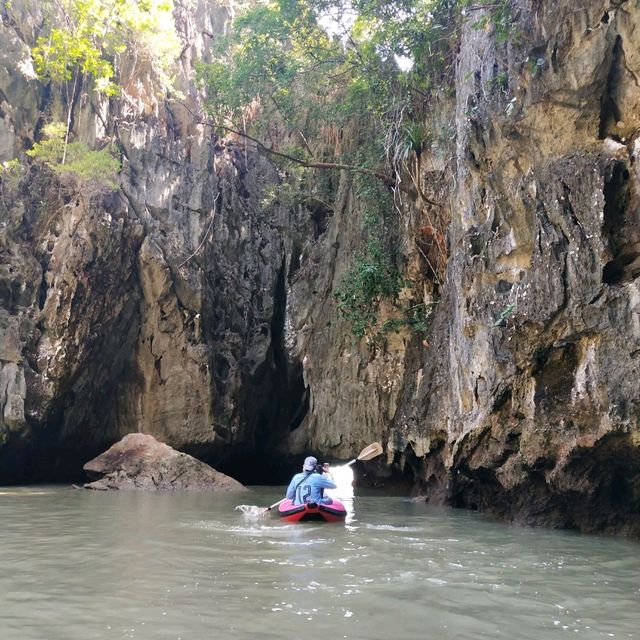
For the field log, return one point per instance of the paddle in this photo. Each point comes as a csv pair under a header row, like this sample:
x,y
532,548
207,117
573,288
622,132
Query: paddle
x,y
372,451
367,453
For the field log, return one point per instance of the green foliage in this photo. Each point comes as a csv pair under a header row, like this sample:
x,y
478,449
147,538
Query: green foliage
x,y
314,63
500,82
94,168
63,52
410,37
51,148
416,136
11,174
278,56
372,277
86,36
375,275
294,70
79,48
499,15
98,167
375,199
406,147
416,317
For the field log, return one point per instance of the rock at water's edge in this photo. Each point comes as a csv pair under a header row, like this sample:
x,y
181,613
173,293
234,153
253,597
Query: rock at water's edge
x,y
140,462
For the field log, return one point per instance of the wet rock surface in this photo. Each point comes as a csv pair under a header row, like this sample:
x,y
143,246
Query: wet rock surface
x,y
139,462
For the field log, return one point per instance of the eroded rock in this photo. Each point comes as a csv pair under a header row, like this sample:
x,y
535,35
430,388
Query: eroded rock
x,y
528,407
140,462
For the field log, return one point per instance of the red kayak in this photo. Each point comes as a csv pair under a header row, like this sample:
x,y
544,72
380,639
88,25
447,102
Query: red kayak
x,y
312,512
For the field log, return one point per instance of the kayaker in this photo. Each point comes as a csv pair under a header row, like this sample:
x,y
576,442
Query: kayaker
x,y
309,485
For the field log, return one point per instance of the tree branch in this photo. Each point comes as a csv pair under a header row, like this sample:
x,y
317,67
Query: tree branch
x,y
310,164
213,217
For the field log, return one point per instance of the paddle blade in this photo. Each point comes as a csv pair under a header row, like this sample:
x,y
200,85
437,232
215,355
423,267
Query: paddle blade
x,y
250,510
371,451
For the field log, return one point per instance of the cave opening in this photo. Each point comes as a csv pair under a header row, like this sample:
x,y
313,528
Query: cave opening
x,y
46,454
291,400
280,401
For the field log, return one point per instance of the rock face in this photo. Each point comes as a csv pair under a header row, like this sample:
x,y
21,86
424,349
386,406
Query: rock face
x,y
197,306
159,308
523,398
528,401
140,462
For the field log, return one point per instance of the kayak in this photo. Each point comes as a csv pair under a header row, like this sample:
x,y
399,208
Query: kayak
x,y
312,512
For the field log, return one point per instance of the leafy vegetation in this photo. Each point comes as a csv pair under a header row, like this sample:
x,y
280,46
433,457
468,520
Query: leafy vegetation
x,y
301,72
317,64
314,65
11,173
505,314
371,278
93,168
499,16
85,37
416,317
374,276
78,51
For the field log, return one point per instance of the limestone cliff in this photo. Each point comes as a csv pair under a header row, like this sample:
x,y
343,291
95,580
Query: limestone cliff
x,y
158,308
195,307
528,400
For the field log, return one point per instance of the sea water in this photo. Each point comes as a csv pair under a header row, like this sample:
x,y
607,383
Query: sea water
x,y
84,565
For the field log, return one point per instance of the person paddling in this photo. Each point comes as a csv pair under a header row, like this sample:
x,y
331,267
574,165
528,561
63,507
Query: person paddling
x,y
309,486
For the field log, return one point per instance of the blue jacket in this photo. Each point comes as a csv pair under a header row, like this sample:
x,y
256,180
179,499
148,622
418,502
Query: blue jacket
x,y
309,487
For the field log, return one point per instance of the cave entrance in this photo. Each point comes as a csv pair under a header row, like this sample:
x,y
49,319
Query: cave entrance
x,y
279,401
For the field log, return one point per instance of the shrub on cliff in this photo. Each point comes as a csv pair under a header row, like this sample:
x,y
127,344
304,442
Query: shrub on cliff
x,y
95,169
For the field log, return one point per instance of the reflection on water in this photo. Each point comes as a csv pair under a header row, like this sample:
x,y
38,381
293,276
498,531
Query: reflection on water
x,y
93,565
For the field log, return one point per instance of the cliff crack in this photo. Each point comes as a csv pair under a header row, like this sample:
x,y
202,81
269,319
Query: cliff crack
x,y
621,234
610,113
5,399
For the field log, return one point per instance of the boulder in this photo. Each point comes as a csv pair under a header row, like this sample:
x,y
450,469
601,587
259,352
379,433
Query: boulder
x,y
140,462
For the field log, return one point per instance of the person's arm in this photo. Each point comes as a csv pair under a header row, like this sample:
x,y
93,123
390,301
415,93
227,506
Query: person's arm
x,y
326,481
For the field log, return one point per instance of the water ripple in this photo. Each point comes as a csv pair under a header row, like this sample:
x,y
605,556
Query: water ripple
x,y
95,566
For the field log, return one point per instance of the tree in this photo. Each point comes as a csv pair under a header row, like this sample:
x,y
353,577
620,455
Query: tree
x,y
84,39
314,66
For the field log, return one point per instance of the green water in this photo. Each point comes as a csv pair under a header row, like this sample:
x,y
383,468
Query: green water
x,y
85,565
